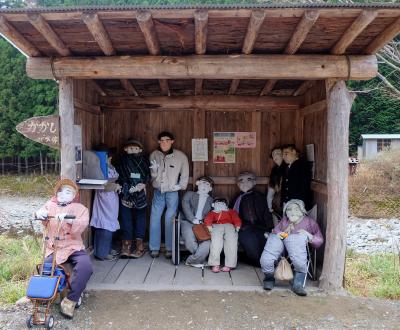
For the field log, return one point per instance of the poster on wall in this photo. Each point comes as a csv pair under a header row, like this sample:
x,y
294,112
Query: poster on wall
x,y
199,150
78,143
245,139
224,148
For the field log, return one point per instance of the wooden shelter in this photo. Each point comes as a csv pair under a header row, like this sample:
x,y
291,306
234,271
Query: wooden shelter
x,y
277,70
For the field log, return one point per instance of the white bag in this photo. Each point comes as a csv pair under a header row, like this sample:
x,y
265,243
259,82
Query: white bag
x,y
283,271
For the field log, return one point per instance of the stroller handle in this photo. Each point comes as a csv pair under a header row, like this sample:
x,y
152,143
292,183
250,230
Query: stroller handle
x,y
66,217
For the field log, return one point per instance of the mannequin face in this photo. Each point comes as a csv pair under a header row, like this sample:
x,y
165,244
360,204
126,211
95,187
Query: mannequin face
x,y
132,149
294,213
203,187
66,194
289,155
165,143
219,207
277,156
246,182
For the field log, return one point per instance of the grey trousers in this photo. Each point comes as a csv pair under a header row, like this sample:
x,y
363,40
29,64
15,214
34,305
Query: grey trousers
x,y
295,245
199,250
223,236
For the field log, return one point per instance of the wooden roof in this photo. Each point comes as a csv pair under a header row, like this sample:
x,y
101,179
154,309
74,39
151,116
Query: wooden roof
x,y
177,31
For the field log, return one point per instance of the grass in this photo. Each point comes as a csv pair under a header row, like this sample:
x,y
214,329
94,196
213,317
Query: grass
x,y
374,192
373,275
27,185
18,257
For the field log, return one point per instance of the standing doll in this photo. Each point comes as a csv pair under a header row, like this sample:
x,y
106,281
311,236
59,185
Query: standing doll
x,y
70,247
275,183
134,173
224,225
105,211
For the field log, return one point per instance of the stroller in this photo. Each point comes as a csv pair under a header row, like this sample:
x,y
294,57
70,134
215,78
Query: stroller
x,y
52,281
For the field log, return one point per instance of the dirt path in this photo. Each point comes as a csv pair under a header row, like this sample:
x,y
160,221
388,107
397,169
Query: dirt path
x,y
216,310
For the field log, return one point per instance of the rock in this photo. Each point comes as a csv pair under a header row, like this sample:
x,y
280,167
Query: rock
x,y
23,301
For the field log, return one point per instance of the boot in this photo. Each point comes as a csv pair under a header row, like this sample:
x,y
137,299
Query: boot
x,y
269,282
67,308
139,251
126,249
298,282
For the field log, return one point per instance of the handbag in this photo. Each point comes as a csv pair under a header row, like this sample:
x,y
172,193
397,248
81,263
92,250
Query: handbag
x,y
283,271
201,232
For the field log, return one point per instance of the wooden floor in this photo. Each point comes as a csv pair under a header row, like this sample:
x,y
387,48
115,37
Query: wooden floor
x,y
160,274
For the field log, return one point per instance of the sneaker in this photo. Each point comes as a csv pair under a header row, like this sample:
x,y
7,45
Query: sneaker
x,y
154,253
114,252
168,254
226,269
216,269
194,265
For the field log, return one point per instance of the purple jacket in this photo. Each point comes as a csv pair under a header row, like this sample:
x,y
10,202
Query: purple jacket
x,y
307,224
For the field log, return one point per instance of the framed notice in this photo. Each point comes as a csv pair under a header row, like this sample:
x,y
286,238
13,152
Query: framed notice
x,y
224,148
199,150
245,139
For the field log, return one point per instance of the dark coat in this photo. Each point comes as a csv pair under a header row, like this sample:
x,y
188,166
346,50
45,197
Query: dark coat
x,y
253,211
296,183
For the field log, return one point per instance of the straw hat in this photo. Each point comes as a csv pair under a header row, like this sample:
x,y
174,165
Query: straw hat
x,y
65,182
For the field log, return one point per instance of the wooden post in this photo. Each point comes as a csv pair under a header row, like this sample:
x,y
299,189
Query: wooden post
x,y
66,101
339,103
199,131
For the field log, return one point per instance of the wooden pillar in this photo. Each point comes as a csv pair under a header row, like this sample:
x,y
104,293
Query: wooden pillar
x,y
66,111
339,102
199,131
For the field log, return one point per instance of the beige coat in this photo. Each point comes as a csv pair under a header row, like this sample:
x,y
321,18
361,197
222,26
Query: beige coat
x,y
70,235
173,169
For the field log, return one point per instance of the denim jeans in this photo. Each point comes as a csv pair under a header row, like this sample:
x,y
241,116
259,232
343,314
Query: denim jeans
x,y
127,223
160,200
102,242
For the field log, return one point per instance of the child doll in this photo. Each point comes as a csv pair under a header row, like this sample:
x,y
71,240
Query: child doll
x,y
105,211
224,225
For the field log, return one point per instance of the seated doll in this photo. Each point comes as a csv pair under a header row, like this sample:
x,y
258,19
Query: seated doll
x,y
224,225
292,234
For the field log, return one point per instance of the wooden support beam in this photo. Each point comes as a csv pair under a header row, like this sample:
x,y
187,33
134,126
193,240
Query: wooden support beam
x,y
234,86
164,87
198,87
66,111
97,87
319,187
304,87
313,108
339,103
302,29
298,67
48,33
384,37
268,87
299,130
98,32
212,102
200,25
12,34
84,106
359,24
127,85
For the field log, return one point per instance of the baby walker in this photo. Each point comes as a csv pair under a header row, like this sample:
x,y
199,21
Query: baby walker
x,y
43,289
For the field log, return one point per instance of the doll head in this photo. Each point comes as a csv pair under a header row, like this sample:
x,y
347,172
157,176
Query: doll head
x,y
220,204
204,185
165,140
289,153
65,191
133,147
294,210
276,155
246,181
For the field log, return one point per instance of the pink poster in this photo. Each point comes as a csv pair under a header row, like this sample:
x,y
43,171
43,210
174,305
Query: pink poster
x,y
245,139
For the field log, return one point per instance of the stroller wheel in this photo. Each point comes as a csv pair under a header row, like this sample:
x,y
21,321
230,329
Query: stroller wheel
x,y
49,322
29,321
79,303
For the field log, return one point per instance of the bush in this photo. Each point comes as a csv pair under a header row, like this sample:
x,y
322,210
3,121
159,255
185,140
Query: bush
x,y
374,191
27,185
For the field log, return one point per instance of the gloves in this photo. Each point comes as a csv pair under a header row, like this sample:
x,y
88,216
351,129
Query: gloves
x,y
306,233
237,229
118,188
140,186
41,214
176,187
153,165
61,216
266,234
209,228
132,189
196,221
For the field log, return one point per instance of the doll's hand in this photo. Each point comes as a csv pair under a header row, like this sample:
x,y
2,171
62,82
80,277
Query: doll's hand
x,y
196,221
306,233
140,186
176,187
41,214
237,229
209,228
153,165
271,210
266,234
118,188
60,216
133,189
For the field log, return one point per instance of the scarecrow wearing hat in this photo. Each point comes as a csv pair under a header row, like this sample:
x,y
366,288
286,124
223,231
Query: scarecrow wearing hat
x,y
70,247
134,174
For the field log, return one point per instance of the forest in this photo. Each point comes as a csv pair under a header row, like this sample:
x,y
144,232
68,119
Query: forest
x,y
376,108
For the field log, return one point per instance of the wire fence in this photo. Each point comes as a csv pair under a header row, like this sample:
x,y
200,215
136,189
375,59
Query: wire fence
x,y
31,165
